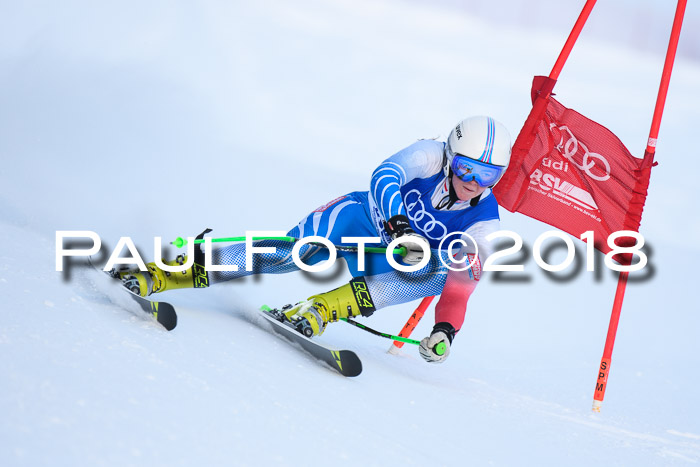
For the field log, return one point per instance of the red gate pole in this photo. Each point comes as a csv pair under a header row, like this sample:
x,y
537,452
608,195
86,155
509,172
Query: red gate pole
x,y
538,108
540,103
540,99
411,324
571,40
602,381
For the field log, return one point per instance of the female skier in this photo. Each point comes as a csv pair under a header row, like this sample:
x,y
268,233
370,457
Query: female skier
x,y
427,192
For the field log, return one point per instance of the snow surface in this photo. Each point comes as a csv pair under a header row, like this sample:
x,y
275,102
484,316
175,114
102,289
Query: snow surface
x,y
160,119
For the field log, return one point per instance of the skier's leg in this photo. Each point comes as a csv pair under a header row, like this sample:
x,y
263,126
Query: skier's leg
x,y
155,280
379,285
364,295
320,222
278,262
329,221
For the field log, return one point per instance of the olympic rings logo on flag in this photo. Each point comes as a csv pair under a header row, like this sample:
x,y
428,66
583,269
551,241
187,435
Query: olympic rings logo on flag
x,y
570,148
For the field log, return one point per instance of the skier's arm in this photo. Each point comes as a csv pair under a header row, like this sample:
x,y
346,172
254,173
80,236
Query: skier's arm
x,y
452,306
422,159
459,285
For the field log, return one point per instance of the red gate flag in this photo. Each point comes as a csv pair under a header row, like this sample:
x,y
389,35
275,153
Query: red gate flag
x,y
574,174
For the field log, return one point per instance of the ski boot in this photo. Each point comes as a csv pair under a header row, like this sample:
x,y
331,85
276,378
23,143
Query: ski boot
x,y
350,300
156,280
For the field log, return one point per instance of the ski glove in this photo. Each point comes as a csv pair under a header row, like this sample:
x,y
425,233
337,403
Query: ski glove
x,y
436,347
399,226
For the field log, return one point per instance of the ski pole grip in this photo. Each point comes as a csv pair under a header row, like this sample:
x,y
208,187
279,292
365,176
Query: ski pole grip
x,y
439,348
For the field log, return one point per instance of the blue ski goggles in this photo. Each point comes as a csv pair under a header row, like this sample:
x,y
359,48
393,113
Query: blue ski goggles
x,y
468,169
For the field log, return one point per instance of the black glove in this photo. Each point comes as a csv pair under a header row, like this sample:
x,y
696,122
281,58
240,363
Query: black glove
x,y
436,347
400,226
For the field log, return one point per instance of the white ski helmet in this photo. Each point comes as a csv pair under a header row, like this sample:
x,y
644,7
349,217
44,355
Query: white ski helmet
x,y
478,148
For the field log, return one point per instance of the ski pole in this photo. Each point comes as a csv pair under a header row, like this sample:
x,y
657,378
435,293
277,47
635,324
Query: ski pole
x,y
179,242
438,349
379,333
410,325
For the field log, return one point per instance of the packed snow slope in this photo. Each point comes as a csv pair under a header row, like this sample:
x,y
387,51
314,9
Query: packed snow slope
x,y
160,119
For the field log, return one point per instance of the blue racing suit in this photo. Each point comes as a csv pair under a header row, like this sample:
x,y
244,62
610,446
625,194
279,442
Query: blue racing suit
x,y
413,183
